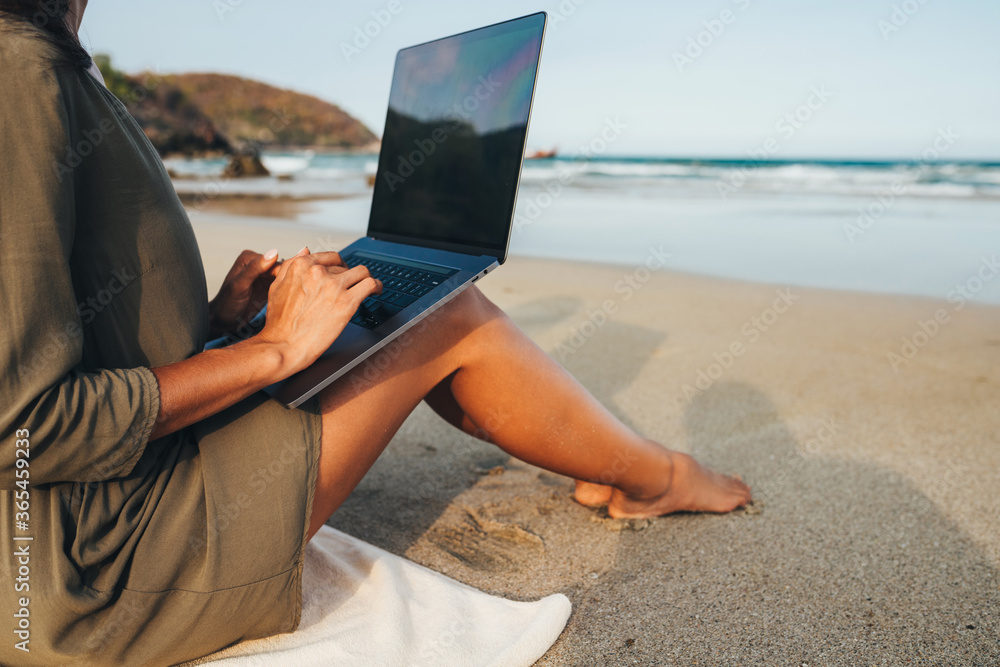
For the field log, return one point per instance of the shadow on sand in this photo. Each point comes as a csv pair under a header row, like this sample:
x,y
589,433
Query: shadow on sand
x,y
429,463
839,563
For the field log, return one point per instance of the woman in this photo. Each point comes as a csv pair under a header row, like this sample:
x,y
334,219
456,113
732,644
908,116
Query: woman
x,y
124,445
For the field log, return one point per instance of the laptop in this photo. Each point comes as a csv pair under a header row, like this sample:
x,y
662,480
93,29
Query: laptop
x,y
447,180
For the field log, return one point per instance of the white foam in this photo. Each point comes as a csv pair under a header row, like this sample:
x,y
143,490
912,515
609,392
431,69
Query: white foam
x,y
284,165
650,177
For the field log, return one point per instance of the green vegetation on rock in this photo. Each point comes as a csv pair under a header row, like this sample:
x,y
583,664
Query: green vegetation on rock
x,y
252,112
171,121
197,114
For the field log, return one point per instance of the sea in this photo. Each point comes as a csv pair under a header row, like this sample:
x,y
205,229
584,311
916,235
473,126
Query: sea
x,y
898,227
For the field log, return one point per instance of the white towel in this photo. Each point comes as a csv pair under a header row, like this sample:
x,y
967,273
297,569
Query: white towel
x,y
365,606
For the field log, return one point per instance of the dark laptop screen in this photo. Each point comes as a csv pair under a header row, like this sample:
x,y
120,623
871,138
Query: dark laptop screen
x,y
454,137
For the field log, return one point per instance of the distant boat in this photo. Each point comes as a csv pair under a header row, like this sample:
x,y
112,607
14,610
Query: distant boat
x,y
542,155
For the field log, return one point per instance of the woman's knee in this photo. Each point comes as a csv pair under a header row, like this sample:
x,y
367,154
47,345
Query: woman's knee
x,y
431,339
470,297
469,309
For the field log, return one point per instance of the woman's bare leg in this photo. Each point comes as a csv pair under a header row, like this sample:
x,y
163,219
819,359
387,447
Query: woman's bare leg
x,y
505,389
443,402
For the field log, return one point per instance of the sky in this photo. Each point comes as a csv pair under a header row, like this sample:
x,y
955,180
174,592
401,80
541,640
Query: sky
x,y
866,79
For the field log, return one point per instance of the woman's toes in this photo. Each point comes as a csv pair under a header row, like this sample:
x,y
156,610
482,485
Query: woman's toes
x,y
693,488
589,494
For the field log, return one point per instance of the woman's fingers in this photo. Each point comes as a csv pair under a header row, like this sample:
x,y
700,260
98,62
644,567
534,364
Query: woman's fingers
x,y
351,276
357,285
328,258
322,258
266,266
326,273
363,289
311,301
243,290
251,265
255,263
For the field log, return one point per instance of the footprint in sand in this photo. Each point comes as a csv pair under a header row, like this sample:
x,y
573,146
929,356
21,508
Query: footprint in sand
x,y
485,544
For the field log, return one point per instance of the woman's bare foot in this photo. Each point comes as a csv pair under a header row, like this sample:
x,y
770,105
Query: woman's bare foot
x,y
691,488
589,494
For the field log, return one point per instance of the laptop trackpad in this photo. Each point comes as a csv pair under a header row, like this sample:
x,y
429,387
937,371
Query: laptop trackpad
x,y
352,341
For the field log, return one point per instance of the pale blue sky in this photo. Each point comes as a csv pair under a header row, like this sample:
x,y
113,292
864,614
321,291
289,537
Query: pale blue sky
x,y
889,94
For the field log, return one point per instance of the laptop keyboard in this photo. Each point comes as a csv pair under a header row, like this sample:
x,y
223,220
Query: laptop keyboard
x,y
401,286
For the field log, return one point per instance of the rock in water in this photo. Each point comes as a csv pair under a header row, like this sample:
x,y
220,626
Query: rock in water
x,y
244,164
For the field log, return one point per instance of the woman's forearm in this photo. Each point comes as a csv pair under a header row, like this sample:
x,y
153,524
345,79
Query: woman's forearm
x,y
310,302
211,381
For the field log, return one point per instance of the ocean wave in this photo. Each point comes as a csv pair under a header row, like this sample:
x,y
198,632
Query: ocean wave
x,y
285,165
332,173
946,179
945,190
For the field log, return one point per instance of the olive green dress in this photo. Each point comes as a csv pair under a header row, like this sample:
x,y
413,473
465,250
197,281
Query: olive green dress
x,y
131,551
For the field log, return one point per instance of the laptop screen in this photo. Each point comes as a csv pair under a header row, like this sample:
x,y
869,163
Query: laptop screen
x,y
454,138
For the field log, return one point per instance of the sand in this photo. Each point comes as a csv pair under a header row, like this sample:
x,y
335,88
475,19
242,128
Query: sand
x,y
873,538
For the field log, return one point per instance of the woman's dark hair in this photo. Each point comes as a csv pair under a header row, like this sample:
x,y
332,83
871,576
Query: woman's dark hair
x,y
50,17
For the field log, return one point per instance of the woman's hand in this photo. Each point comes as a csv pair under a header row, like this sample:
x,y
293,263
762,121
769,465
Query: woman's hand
x,y
311,300
243,292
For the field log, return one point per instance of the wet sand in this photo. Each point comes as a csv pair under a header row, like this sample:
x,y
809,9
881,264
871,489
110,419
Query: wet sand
x,y
873,538
263,206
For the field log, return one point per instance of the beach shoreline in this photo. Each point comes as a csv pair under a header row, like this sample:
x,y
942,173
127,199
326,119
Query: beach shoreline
x,y
877,487
861,240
